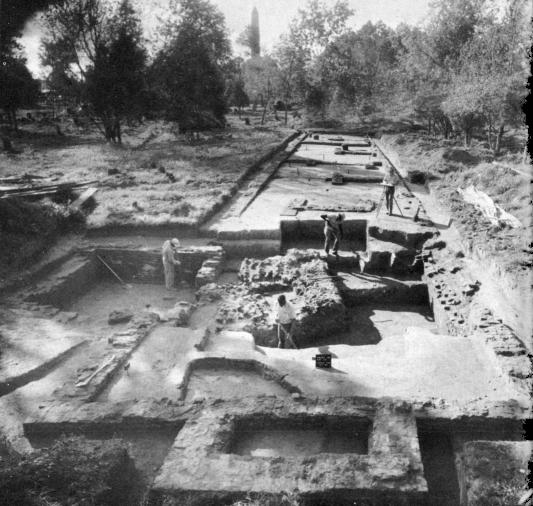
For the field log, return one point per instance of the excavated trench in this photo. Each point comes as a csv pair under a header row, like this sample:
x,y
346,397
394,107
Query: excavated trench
x,y
374,291
218,382
442,445
147,445
299,437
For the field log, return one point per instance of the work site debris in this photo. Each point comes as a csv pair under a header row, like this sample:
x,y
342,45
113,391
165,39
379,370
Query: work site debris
x,y
486,205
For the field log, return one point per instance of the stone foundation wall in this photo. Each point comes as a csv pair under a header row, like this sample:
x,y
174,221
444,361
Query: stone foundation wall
x,y
145,266
292,229
319,310
456,312
73,279
397,292
199,466
409,239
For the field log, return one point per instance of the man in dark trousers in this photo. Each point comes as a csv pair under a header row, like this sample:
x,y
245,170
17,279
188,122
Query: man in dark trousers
x,y
333,232
389,182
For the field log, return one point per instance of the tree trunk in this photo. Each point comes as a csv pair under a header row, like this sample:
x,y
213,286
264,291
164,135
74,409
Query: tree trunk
x,y
286,113
489,135
118,133
8,146
13,119
264,113
499,137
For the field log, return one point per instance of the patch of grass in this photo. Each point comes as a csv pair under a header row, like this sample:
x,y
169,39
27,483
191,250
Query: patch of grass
x,y
28,228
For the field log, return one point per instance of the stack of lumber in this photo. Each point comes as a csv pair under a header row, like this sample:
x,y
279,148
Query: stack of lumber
x,y
24,187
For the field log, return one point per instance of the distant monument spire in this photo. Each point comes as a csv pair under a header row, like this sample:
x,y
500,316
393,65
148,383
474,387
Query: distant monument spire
x,y
255,38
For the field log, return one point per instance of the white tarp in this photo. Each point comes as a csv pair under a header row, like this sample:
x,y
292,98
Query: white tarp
x,y
487,206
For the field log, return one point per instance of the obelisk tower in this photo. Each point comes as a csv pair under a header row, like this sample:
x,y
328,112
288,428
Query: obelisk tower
x,y
255,38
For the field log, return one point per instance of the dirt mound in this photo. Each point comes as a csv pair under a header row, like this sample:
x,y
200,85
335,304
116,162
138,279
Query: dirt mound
x,y
28,228
459,156
72,471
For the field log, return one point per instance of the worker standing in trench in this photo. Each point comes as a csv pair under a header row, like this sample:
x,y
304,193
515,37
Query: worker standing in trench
x,y
333,232
285,319
389,182
170,261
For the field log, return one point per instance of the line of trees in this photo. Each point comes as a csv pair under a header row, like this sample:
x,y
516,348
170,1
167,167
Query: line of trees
x,y
98,57
465,70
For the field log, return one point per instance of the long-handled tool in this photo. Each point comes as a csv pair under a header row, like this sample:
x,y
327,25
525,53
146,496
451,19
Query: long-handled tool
x,y
124,285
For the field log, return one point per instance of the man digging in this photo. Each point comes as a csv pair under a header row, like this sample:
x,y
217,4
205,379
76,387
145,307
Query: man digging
x,y
285,319
333,232
170,261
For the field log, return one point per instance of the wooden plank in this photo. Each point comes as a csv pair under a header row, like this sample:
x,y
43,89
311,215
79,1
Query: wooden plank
x,y
27,191
58,186
83,198
289,211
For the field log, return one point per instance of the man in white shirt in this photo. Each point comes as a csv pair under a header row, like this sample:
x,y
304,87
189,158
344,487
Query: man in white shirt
x,y
170,261
389,181
332,231
285,319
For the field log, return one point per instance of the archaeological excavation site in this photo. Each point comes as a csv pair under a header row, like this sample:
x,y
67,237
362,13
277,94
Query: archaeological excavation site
x,y
407,381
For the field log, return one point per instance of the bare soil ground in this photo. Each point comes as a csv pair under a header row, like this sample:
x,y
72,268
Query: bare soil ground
x,y
505,179
158,177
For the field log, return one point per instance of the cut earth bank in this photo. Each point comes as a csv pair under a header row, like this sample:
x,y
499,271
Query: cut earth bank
x,y
422,366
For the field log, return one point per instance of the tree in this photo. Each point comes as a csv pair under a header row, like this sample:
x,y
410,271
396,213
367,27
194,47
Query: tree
x,y
13,16
19,88
98,56
490,79
74,32
208,23
262,78
235,94
291,64
310,32
115,83
234,83
358,66
189,84
317,24
187,74
453,24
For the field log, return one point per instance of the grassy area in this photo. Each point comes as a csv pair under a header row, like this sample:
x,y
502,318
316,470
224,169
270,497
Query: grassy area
x,y
27,230
159,176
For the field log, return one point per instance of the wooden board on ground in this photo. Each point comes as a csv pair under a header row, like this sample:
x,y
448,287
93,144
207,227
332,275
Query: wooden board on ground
x,y
289,211
83,198
293,207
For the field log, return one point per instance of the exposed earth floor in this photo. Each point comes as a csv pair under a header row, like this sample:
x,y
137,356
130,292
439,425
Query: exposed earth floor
x,y
426,372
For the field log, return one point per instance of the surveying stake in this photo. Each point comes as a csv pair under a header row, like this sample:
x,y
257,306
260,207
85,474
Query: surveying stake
x,y
383,198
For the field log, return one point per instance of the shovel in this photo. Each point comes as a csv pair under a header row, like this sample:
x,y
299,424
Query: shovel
x,y
126,286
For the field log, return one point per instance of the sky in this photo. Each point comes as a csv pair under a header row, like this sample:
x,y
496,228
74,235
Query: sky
x,y
274,18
